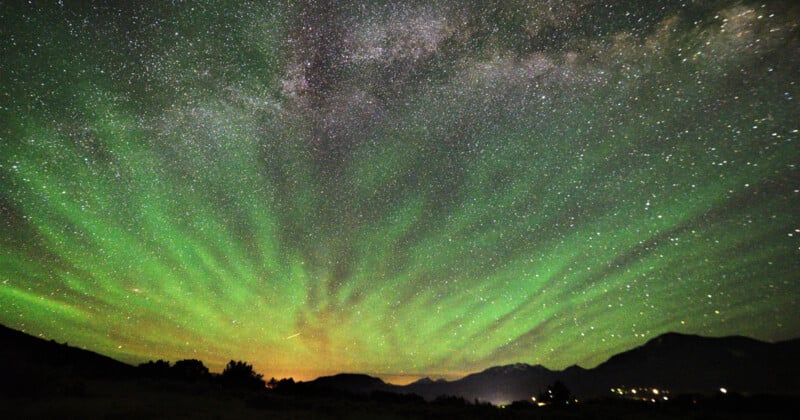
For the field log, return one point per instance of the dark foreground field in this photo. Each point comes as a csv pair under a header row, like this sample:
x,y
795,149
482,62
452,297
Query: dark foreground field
x,y
157,399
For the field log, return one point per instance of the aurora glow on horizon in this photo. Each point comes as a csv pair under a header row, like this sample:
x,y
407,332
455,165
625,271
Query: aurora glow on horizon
x,y
398,188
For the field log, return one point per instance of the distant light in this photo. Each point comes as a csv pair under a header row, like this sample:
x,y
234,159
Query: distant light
x,y
633,391
655,391
723,390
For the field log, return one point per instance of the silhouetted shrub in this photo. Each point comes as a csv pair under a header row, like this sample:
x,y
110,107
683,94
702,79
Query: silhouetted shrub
x,y
241,375
157,369
285,385
190,370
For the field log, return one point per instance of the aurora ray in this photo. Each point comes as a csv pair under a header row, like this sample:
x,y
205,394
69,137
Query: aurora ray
x,y
396,188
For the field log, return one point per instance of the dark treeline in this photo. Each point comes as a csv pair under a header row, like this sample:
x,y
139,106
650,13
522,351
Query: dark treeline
x,y
237,374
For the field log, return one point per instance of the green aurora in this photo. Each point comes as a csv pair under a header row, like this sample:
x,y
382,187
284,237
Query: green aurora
x,y
398,188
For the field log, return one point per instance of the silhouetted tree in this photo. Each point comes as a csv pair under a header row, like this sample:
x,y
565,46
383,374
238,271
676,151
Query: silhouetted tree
x,y
157,369
190,370
240,374
285,385
556,394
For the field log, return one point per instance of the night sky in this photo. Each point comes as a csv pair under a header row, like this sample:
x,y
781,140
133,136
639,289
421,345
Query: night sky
x,y
398,188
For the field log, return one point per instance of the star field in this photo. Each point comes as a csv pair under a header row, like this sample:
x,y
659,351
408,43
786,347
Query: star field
x,y
398,188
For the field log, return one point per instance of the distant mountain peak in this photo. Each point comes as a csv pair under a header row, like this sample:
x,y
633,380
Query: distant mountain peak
x,y
514,367
352,382
574,368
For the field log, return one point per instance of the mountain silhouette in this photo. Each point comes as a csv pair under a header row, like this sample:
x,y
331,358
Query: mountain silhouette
x,y
351,382
695,364
20,351
680,363
427,380
32,366
676,362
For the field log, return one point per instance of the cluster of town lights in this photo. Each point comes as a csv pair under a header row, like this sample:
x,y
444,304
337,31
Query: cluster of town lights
x,y
652,395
